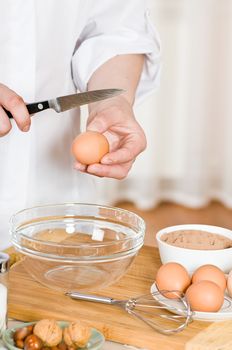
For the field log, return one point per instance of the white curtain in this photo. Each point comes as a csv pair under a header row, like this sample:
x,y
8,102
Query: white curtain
x,y
188,121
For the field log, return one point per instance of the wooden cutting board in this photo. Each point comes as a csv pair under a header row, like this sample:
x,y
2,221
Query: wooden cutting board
x,y
29,301
218,336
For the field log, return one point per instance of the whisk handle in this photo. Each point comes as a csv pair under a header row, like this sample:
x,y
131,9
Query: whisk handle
x,y
90,297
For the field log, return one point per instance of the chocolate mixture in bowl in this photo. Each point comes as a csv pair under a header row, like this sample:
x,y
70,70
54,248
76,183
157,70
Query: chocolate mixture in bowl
x,y
196,239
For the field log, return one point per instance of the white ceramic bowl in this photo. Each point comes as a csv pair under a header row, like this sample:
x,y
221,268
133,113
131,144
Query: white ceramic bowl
x,y
193,258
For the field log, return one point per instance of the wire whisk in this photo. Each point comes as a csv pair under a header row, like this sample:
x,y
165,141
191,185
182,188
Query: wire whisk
x,y
153,309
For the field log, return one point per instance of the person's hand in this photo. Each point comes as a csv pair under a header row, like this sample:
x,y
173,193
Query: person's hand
x,y
115,119
16,106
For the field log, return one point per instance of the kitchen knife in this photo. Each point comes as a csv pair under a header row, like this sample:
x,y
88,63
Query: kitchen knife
x,y
64,103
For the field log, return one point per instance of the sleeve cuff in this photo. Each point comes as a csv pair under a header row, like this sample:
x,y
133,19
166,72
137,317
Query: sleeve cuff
x,y
96,50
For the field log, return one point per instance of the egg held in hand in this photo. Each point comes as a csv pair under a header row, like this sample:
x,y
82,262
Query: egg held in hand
x,y
210,273
205,296
90,147
172,277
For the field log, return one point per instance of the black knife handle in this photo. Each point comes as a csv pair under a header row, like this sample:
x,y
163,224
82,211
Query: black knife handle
x,y
32,108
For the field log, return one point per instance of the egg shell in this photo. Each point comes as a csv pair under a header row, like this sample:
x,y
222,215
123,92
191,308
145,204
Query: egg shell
x,y
205,296
90,147
229,284
172,277
210,273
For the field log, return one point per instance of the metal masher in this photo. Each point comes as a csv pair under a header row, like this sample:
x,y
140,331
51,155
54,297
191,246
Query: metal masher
x,y
162,314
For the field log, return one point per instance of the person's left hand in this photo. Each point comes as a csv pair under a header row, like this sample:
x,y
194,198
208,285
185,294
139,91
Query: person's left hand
x,y
115,119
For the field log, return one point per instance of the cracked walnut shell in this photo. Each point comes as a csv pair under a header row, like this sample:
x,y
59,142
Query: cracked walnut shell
x,y
77,334
48,331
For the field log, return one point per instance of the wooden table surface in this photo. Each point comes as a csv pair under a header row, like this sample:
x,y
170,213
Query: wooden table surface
x,y
29,300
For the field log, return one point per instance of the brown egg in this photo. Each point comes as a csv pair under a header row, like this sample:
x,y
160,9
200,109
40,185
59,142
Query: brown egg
x,y
90,147
205,296
172,277
229,284
210,273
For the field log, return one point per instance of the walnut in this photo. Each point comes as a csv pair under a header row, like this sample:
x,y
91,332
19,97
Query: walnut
x,y
77,334
48,331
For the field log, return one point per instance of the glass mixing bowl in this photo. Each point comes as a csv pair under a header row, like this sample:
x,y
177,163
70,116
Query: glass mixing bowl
x,y
76,246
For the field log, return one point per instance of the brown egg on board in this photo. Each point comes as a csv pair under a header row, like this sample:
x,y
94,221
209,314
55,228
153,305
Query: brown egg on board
x,y
205,296
210,273
90,147
172,277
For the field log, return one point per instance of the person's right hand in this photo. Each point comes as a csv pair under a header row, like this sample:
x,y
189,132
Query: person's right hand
x,y
16,106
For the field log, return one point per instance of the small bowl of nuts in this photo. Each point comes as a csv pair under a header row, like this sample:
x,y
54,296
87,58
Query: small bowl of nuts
x,y
49,334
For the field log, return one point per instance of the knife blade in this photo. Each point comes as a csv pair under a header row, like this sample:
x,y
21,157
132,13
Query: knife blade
x,y
64,103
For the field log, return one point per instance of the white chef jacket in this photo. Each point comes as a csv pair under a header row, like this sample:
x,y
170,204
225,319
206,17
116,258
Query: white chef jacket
x,y
51,48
